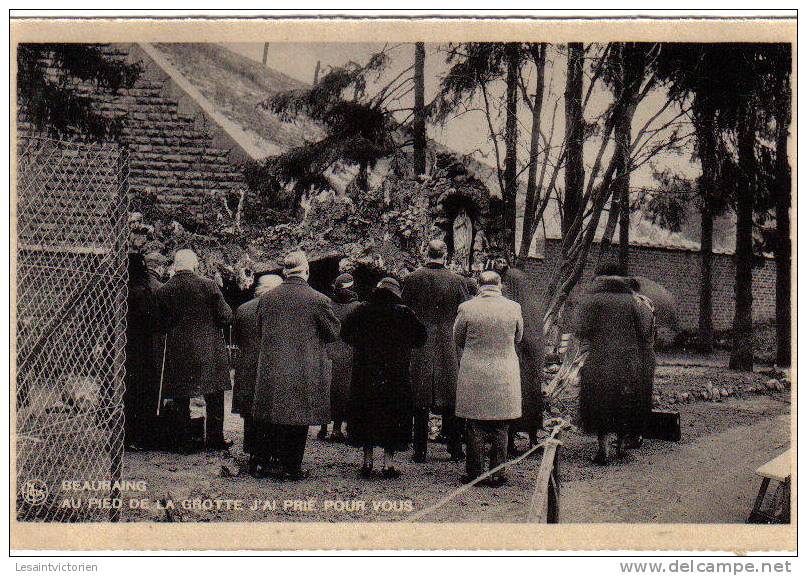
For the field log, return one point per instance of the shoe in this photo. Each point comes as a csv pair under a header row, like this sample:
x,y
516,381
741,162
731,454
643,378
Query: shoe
x,y
634,442
322,435
252,466
458,456
419,457
600,459
338,437
366,472
390,473
270,469
496,481
219,444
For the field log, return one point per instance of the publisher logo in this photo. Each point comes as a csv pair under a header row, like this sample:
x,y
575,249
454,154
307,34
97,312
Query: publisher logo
x,y
35,492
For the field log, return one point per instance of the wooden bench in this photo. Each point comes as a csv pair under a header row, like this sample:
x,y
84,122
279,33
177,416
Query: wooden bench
x,y
778,510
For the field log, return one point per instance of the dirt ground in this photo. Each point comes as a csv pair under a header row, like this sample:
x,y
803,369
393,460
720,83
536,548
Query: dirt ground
x,y
707,477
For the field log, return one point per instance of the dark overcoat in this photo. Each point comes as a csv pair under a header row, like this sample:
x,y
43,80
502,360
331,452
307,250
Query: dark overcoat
x,y
247,338
193,313
157,338
517,286
434,294
294,371
611,381
140,396
341,355
648,354
382,332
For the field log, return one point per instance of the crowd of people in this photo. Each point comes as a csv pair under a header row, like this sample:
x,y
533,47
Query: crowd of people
x,y
432,342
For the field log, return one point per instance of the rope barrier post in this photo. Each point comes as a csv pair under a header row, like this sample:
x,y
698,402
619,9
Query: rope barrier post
x,y
464,488
538,510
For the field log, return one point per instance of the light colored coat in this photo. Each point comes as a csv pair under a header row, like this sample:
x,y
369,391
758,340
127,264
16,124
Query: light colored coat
x,y
487,328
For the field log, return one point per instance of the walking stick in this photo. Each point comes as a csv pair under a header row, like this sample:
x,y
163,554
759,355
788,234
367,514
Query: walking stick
x,y
162,373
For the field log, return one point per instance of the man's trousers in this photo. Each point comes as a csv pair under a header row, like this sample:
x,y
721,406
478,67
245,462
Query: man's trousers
x,y
480,431
214,419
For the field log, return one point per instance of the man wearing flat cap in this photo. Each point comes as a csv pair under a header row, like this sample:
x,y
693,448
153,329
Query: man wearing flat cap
x,y
248,342
292,389
434,293
192,313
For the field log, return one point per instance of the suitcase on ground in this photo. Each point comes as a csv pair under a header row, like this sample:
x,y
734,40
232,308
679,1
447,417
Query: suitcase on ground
x,y
664,425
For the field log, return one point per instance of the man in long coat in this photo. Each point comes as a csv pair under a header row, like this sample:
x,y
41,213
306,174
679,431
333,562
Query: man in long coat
x,y
434,293
614,325
292,390
248,341
192,313
140,396
517,286
487,328
155,264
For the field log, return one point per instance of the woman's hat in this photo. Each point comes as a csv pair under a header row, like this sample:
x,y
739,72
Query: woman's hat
x,y
390,284
343,281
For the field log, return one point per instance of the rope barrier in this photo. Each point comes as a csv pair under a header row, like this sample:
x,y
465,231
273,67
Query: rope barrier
x,y
465,487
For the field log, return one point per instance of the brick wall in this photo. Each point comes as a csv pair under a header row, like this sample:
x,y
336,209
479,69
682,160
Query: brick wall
x,y
174,156
175,160
679,271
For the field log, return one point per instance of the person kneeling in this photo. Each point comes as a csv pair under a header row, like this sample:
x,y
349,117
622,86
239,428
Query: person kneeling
x,y
487,328
382,332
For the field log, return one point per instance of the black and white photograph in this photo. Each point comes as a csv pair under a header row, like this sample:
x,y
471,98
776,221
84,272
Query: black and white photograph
x,y
343,278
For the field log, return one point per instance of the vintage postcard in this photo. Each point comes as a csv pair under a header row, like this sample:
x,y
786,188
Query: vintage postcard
x,y
384,284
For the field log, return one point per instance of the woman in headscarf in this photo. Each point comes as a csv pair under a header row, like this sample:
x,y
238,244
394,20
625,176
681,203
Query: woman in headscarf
x,y
344,301
246,337
614,325
383,332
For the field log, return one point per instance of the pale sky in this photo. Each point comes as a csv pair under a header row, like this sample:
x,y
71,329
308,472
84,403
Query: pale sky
x,y
468,133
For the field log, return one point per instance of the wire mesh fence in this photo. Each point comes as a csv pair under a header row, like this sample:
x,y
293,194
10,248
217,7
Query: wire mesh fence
x,y
70,327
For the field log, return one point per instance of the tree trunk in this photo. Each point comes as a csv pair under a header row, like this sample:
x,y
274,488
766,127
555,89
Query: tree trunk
x,y
783,240
632,73
623,140
533,194
573,99
610,227
419,122
705,342
742,353
706,134
363,177
511,141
